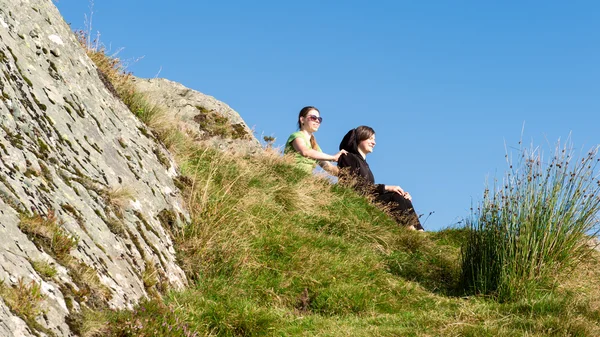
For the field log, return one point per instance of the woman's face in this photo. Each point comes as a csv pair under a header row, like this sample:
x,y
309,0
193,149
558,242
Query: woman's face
x,y
312,121
367,145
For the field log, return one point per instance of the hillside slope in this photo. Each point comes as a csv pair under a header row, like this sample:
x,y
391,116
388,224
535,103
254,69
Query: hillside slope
x,y
105,235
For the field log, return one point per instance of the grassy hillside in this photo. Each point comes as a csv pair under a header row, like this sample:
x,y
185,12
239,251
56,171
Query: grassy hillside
x,y
273,251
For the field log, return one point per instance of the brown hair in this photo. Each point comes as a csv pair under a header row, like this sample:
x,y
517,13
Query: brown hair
x,y
354,137
364,132
303,113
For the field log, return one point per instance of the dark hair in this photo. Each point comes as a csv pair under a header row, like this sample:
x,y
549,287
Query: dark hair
x,y
303,113
355,136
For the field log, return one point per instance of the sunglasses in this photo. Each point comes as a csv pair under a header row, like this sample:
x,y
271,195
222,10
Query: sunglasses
x,y
315,118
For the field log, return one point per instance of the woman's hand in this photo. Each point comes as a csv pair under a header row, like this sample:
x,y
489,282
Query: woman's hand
x,y
337,155
399,190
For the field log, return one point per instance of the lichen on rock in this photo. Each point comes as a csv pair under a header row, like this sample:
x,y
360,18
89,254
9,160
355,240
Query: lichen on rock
x,y
67,145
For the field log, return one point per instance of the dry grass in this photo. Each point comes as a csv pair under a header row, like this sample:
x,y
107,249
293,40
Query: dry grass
x,y
118,81
118,198
94,323
91,289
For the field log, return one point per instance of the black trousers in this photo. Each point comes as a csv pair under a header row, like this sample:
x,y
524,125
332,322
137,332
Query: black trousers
x,y
402,209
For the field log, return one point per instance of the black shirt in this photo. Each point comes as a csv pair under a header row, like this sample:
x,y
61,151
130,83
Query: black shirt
x,y
354,166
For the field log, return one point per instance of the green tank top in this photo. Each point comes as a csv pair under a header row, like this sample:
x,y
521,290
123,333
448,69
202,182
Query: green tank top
x,y
302,162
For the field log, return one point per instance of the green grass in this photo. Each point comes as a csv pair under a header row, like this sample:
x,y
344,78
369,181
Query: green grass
x,y
44,269
273,251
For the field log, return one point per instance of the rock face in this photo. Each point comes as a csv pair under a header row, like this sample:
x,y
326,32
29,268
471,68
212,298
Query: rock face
x,y
87,195
201,116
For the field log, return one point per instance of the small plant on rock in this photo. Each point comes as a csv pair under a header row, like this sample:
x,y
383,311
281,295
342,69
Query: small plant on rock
x,y
24,298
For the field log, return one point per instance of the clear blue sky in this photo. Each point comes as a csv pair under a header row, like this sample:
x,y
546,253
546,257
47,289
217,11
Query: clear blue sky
x,y
445,84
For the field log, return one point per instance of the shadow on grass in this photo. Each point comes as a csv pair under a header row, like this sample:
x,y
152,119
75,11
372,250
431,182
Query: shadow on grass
x,y
430,259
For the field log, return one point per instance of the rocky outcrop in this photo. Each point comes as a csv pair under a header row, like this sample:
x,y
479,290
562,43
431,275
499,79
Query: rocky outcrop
x,y
202,117
87,195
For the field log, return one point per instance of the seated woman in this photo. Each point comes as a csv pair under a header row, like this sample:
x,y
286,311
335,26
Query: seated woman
x,y
304,146
355,171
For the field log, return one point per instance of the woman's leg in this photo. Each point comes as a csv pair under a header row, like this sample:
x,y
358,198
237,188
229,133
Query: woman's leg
x,y
402,209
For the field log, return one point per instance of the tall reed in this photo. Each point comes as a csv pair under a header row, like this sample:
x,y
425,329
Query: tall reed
x,y
534,225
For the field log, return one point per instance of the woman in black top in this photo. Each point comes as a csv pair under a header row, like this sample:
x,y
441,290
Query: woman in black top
x,y
354,170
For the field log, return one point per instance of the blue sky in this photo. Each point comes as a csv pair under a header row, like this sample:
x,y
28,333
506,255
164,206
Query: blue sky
x,y
444,84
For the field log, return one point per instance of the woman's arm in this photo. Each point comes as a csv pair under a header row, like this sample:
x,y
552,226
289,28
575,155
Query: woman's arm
x,y
330,168
306,151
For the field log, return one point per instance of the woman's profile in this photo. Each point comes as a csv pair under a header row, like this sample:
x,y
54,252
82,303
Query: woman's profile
x,y
303,145
355,171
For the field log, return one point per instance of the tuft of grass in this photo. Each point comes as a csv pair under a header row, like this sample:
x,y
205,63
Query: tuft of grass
x,y
24,298
152,318
93,324
150,276
116,226
45,269
89,323
113,73
118,198
91,290
47,233
118,80
532,226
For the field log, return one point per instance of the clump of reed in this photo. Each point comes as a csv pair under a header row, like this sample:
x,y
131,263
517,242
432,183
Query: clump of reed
x,y
534,225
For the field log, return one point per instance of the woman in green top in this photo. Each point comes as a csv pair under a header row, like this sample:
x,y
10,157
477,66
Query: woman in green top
x,y
303,145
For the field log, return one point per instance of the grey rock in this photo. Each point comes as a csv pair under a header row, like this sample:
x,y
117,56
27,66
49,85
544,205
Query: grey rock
x,y
61,153
201,116
10,325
